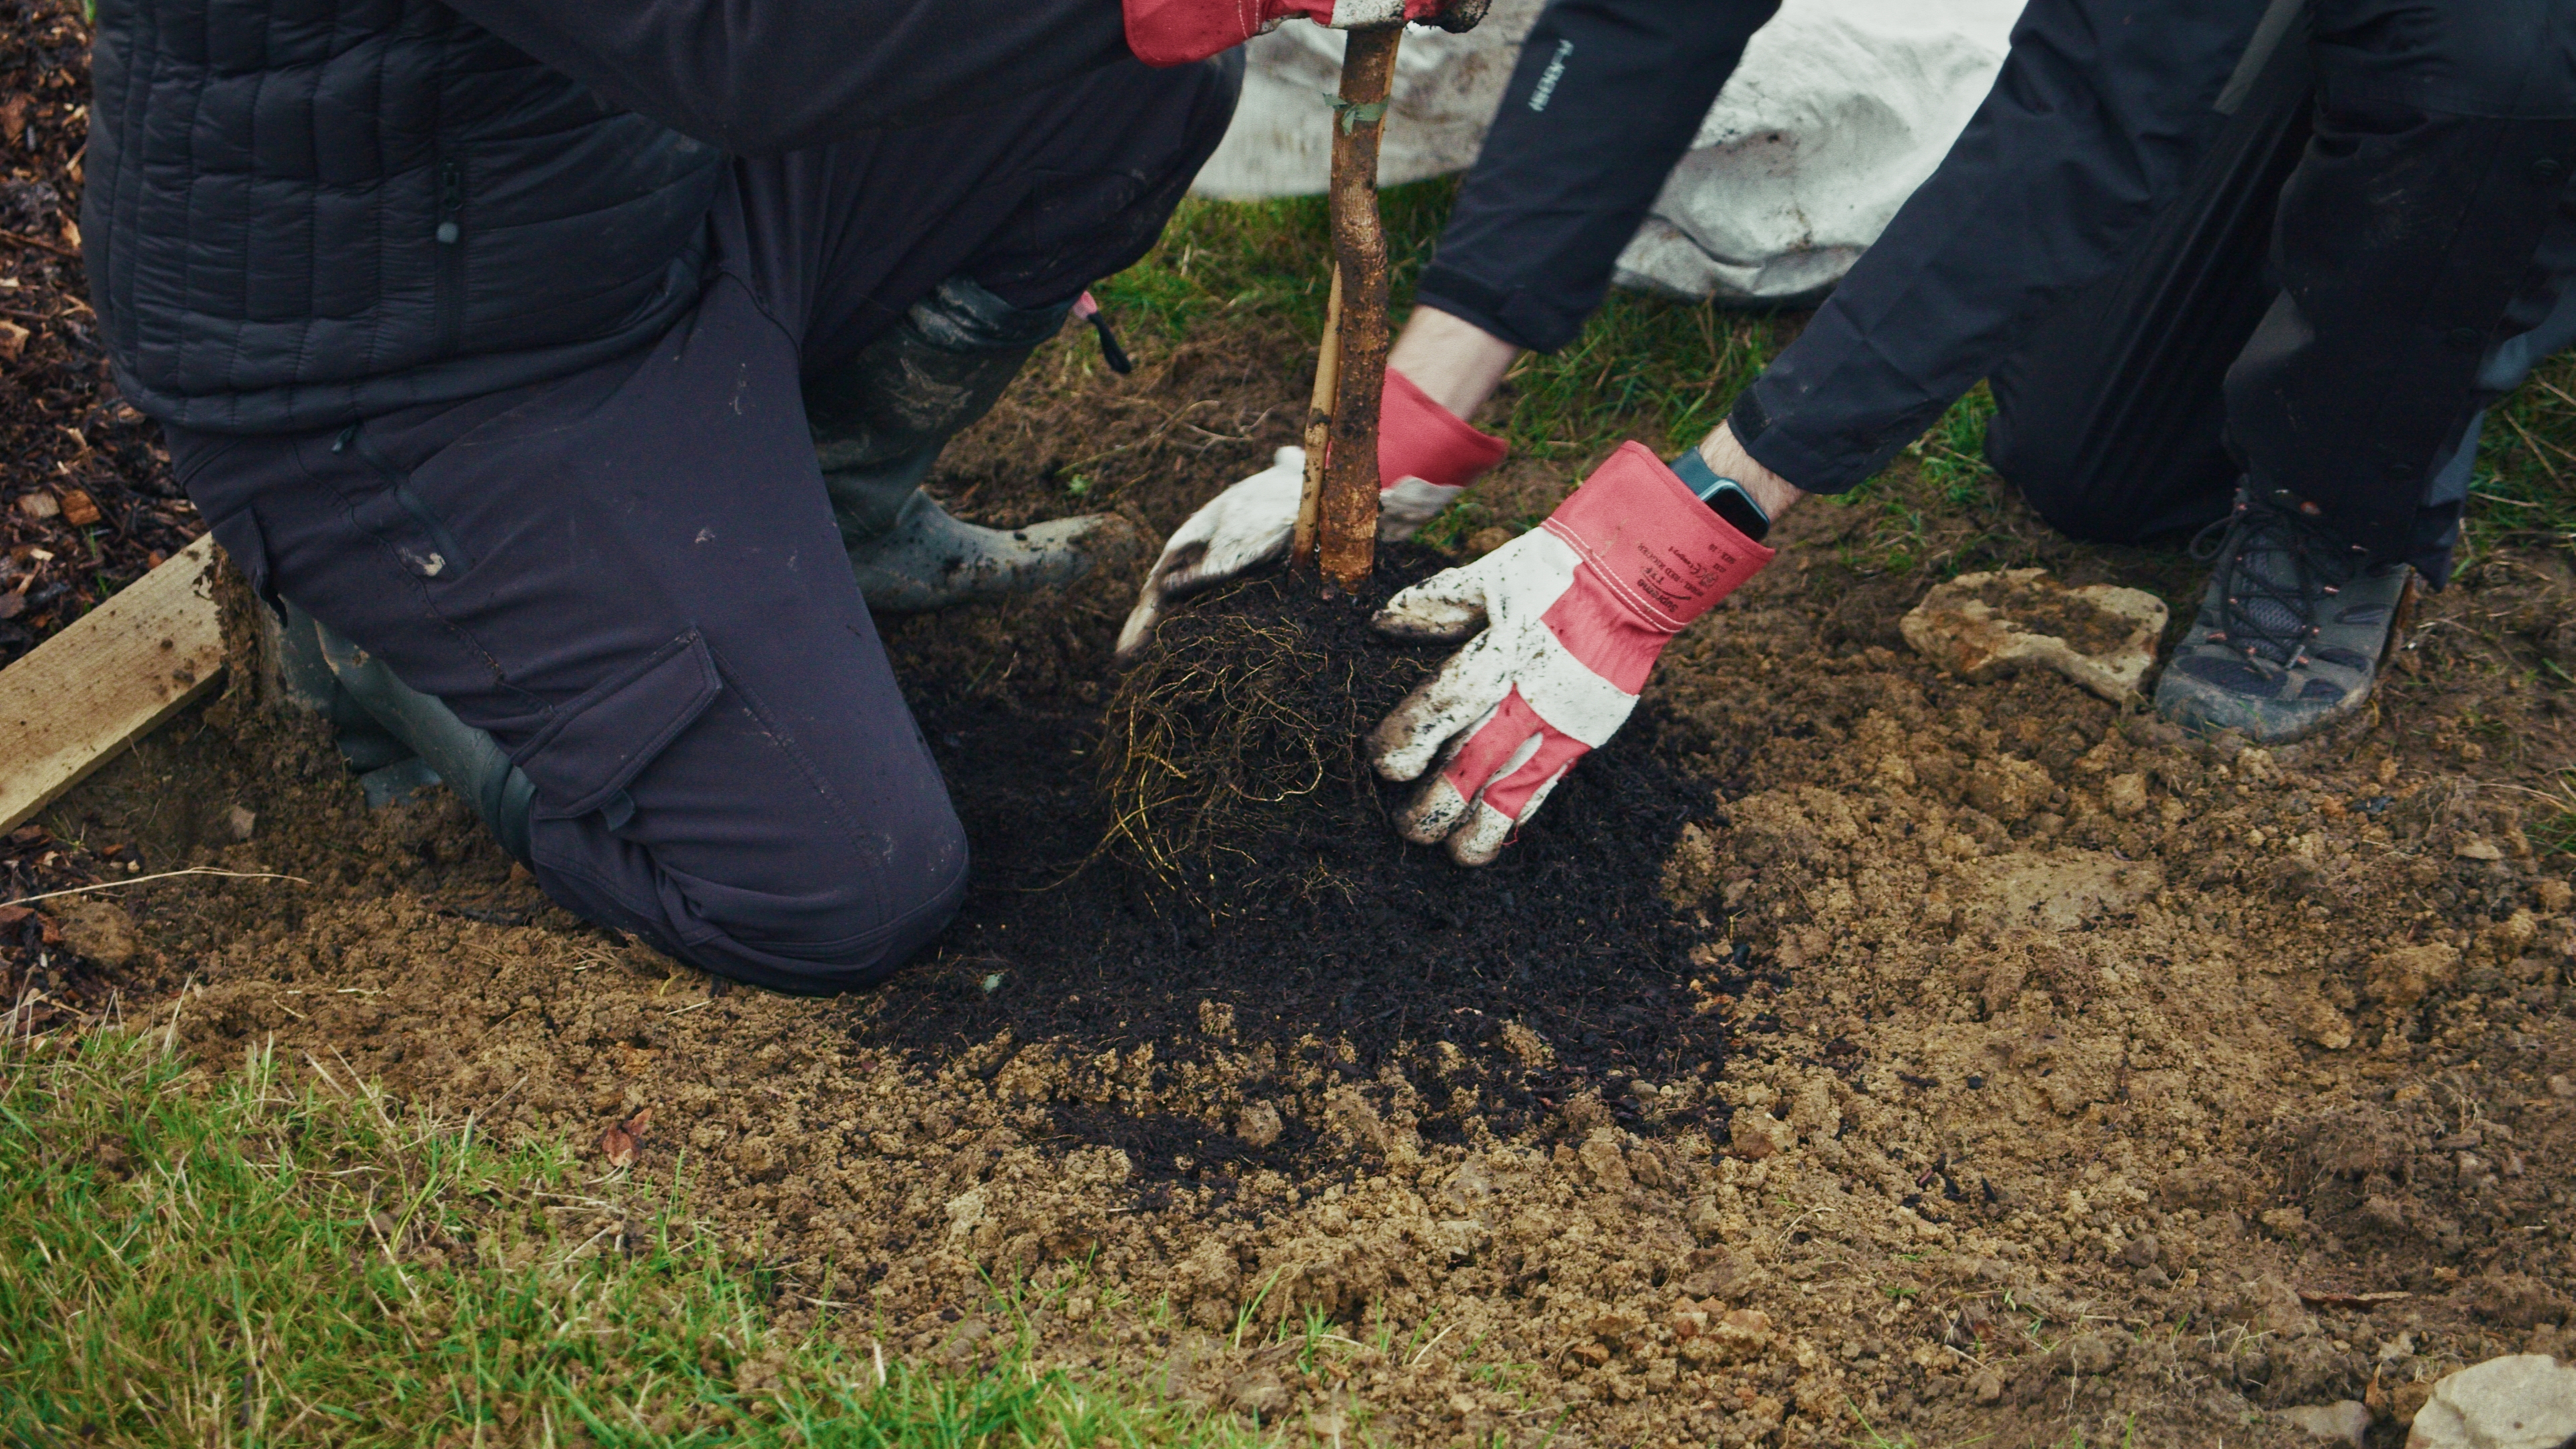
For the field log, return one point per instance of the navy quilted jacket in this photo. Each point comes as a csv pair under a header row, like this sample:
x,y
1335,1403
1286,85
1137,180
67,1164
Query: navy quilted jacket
x,y
305,212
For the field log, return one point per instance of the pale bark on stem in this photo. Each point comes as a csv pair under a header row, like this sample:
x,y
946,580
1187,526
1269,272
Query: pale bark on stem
x,y
1319,420
1346,522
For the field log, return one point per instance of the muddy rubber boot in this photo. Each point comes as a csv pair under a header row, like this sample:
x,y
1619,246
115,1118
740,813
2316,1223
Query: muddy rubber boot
x,y
468,759
307,677
879,423
2292,631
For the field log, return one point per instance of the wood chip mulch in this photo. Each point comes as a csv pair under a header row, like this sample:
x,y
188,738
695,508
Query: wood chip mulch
x,y
87,503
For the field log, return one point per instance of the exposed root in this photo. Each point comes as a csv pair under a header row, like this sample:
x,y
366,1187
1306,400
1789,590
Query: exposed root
x,y
1231,736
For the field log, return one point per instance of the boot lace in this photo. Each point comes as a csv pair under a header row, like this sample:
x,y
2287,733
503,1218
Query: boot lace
x,y
2276,575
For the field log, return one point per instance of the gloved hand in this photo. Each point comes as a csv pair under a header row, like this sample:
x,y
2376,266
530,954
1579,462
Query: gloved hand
x,y
1175,32
1426,457
1573,615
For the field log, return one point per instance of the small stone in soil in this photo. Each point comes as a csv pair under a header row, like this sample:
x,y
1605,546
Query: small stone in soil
x,y
2347,1421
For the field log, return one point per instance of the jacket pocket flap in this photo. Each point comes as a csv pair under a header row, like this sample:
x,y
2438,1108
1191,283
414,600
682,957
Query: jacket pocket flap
x,y
600,741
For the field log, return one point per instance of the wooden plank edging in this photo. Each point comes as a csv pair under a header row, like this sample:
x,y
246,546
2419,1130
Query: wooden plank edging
x,y
106,680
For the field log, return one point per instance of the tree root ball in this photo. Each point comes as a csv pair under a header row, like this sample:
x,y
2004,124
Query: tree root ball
x,y
1230,755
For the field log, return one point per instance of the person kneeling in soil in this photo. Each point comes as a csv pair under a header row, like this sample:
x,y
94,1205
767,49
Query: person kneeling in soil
x,y
568,373
2423,247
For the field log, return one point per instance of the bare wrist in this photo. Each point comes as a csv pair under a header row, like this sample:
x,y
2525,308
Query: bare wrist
x,y
1456,363
1727,458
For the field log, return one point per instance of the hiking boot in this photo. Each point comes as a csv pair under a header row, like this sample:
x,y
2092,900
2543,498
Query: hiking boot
x,y
879,423
2291,632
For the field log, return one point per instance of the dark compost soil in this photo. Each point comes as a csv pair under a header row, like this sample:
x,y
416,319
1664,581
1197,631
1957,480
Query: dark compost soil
x,y
1314,924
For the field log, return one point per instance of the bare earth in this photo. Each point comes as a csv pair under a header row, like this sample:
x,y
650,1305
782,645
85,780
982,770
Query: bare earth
x,y
2079,1081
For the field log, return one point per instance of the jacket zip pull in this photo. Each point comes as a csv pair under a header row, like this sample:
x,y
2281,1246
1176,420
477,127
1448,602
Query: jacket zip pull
x,y
1089,311
451,200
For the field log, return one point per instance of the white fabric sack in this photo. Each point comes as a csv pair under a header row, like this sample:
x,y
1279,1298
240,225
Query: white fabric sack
x,y
1839,110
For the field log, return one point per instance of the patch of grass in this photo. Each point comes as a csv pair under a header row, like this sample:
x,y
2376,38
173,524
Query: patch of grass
x,y
1265,258
2523,489
257,1260
1650,367
2554,832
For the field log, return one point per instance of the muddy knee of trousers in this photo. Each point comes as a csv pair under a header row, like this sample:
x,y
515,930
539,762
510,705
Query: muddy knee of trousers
x,y
836,912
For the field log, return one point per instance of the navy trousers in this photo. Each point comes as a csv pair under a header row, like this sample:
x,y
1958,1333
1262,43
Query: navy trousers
x,y
631,577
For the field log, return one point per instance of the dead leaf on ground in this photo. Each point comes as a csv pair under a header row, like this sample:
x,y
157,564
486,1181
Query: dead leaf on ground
x,y
619,1142
13,119
79,509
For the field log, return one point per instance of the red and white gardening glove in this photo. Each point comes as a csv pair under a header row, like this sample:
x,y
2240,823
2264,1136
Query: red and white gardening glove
x,y
1426,457
1175,32
1573,615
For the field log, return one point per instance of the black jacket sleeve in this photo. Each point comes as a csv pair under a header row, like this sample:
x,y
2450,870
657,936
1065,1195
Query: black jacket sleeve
x,y
757,77
2093,124
1607,97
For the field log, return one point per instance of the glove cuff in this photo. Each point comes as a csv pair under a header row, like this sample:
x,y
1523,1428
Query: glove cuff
x,y
1418,438
1177,32
1664,554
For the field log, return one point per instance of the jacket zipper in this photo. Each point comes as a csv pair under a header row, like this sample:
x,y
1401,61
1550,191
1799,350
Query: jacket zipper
x,y
449,237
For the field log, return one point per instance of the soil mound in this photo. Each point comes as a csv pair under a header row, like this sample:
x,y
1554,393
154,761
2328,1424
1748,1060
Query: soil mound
x,y
1243,863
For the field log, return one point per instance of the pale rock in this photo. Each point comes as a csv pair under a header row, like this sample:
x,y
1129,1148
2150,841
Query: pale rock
x,y
2127,795
1600,1153
967,1211
99,930
1755,1134
1982,625
2345,1420
1258,1124
2525,1401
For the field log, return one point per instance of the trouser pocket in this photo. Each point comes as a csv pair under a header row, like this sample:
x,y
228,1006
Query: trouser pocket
x,y
593,748
397,517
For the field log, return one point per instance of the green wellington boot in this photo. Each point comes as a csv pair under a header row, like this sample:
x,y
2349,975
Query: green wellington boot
x,y
469,760
2291,634
879,423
